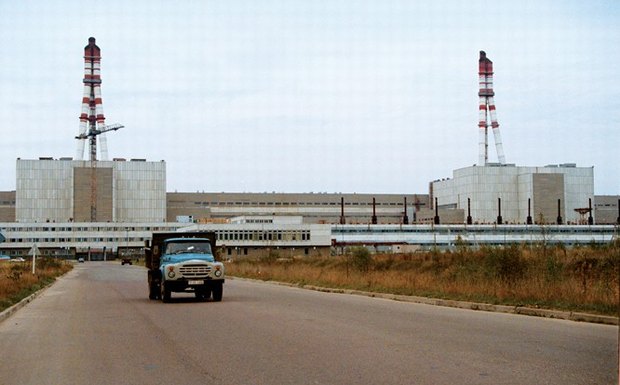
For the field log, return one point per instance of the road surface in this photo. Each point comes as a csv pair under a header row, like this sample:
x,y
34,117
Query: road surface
x,y
97,326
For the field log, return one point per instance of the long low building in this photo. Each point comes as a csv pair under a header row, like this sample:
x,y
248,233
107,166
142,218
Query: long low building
x,y
447,236
101,241
283,237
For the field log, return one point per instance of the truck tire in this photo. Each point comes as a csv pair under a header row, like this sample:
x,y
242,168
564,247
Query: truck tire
x,y
203,294
218,290
165,293
153,291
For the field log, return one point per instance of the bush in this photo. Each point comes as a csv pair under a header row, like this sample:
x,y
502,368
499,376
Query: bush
x,y
506,264
48,263
361,258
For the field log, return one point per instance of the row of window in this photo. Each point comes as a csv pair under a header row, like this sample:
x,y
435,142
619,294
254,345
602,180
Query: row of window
x,y
82,228
257,235
491,230
215,203
77,239
244,250
261,235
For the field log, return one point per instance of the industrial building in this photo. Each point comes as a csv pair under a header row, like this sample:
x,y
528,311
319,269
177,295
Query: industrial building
x,y
505,193
510,194
210,207
60,190
103,208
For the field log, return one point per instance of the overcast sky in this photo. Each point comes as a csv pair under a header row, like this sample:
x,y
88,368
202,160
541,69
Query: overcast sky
x,y
316,95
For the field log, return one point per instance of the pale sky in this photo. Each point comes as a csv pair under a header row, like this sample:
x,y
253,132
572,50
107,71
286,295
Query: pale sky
x,y
367,96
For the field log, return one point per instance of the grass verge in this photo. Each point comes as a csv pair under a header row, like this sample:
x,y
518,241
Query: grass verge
x,y
582,279
17,281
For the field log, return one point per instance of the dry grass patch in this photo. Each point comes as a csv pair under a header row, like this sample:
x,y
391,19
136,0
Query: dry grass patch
x,y
579,279
17,281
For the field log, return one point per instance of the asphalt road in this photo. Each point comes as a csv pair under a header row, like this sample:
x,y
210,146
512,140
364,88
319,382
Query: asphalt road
x,y
97,326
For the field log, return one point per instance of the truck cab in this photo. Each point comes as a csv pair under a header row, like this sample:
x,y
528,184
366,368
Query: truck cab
x,y
184,262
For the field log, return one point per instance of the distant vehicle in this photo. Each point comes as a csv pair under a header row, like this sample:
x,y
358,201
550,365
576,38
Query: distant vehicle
x,y
18,259
81,260
126,260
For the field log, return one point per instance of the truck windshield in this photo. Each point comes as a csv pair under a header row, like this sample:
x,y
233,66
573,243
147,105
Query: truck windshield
x,y
188,247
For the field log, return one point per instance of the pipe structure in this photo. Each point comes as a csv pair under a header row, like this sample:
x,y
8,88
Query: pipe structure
x,y
436,219
374,212
469,219
529,212
499,211
405,217
590,218
486,110
559,218
342,220
91,117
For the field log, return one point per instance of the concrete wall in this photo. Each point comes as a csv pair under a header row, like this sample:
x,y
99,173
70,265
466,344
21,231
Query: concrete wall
x,y
83,177
140,191
60,191
606,209
313,207
483,185
7,206
547,189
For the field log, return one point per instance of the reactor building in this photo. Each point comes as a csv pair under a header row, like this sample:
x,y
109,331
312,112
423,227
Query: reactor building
x,y
504,193
67,190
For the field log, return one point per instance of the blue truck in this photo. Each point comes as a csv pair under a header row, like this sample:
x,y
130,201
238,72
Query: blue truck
x,y
184,262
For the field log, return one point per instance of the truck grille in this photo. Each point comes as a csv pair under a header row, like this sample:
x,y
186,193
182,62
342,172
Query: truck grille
x,y
194,271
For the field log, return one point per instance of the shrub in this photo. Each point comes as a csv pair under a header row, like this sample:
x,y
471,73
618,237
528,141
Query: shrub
x,y
506,263
361,258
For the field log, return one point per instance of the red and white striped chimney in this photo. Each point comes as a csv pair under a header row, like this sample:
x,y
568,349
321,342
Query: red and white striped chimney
x,y
486,110
92,117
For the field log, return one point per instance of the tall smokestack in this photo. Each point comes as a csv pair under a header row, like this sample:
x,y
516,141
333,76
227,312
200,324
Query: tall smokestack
x,y
559,219
92,116
590,218
487,109
436,219
529,212
405,217
469,221
342,220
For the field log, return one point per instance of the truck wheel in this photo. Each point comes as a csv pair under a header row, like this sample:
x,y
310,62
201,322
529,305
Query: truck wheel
x,y
153,292
165,293
203,294
218,290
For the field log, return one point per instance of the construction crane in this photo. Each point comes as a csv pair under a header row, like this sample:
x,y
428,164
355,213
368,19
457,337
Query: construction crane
x,y
92,137
92,133
92,120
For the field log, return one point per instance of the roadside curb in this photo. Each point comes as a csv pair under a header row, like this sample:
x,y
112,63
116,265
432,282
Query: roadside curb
x,y
5,314
521,310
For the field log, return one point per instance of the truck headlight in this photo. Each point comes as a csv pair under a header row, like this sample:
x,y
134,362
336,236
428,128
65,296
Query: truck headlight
x,y
171,274
218,273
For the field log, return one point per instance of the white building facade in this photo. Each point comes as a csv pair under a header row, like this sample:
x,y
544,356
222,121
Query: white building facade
x,y
546,194
63,190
